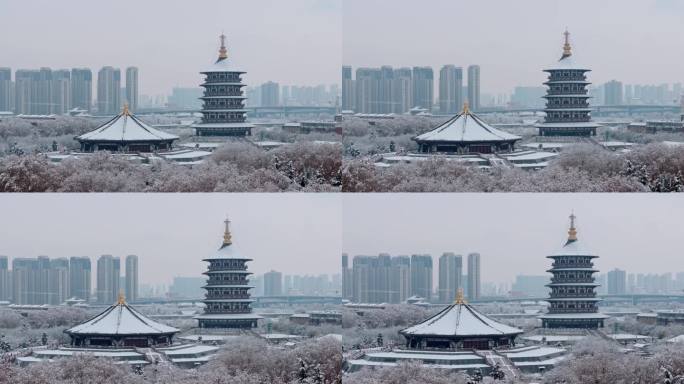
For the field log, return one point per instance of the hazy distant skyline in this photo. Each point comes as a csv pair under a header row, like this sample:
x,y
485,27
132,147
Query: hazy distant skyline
x,y
171,233
515,232
297,42
634,41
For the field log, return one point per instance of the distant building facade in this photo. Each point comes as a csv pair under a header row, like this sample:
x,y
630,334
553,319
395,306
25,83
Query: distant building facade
x,y
421,276
450,89
132,89
617,282
270,94
5,280
273,283
450,273
474,283
131,278
613,93
80,273
423,87
6,90
82,88
108,279
474,87
109,92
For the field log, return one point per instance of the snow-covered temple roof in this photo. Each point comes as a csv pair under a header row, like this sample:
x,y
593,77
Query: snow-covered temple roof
x,y
466,127
126,127
121,319
227,249
460,319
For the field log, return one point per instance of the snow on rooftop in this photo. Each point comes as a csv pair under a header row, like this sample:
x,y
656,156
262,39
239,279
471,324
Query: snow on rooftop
x,y
227,251
224,65
125,127
573,248
460,320
121,319
466,127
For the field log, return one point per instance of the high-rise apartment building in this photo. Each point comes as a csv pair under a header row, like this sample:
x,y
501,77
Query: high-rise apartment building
x,y
347,292
270,94
450,272
273,283
5,280
423,87
348,103
132,88
402,90
43,102
400,279
81,88
617,282
80,278
108,279
421,276
6,94
474,87
367,90
385,93
474,287
450,89
131,278
108,91
58,281
25,88
612,92
61,91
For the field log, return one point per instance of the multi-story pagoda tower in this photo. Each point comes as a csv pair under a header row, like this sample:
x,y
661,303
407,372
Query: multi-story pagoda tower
x,y
573,301
228,302
567,102
223,107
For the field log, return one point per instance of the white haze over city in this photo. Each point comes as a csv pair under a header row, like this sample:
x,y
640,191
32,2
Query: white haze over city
x,y
634,41
294,42
171,233
514,232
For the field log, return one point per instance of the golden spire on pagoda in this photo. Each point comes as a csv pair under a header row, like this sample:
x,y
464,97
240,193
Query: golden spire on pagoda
x,y
572,232
126,112
223,52
227,237
567,49
459,297
466,109
122,299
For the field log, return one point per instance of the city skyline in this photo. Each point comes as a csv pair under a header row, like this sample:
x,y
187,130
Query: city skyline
x,y
514,233
288,233
190,44
509,54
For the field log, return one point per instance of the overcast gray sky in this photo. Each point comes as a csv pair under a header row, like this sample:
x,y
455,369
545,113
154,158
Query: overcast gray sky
x,y
635,41
292,42
171,233
514,232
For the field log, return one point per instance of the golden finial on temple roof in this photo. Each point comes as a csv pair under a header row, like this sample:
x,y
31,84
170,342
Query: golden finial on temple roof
x,y
223,52
122,299
459,297
227,237
466,109
567,50
126,112
572,232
